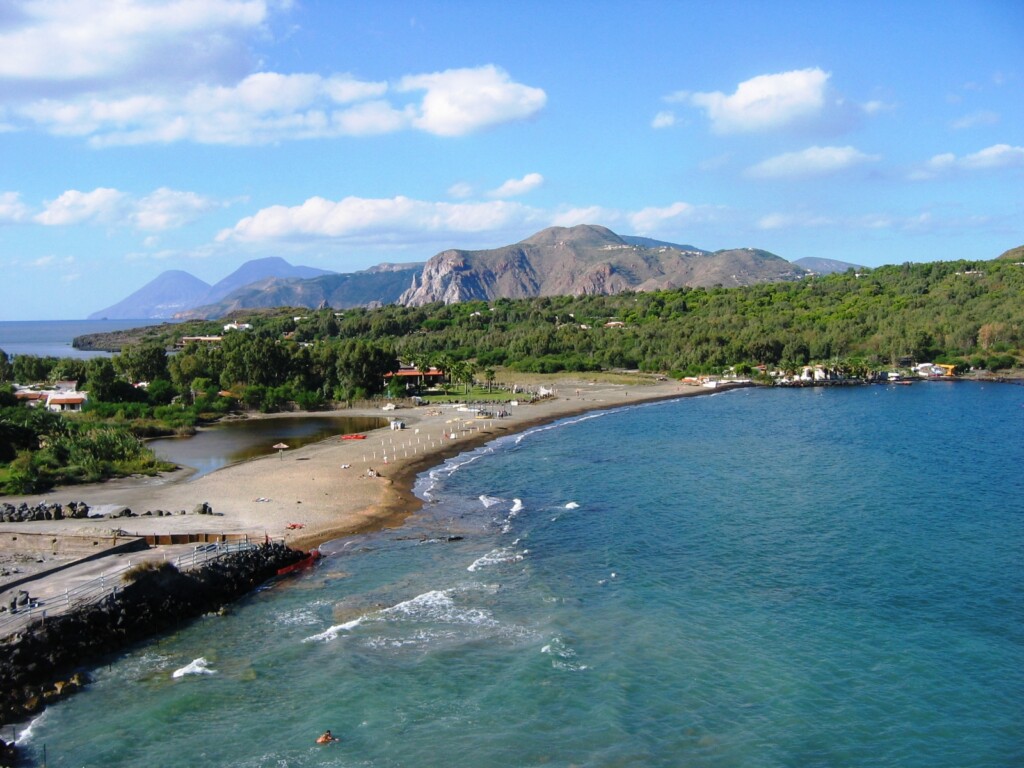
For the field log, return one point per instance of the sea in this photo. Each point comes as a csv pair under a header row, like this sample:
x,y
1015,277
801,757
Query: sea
x,y
762,577
52,338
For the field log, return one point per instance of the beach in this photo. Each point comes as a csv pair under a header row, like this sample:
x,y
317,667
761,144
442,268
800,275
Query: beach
x,y
334,488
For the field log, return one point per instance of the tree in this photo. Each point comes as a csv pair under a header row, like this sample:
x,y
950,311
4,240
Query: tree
x,y
142,362
100,378
6,370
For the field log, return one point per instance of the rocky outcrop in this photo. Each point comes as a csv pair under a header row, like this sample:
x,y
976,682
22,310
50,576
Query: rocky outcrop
x,y
43,663
26,513
586,259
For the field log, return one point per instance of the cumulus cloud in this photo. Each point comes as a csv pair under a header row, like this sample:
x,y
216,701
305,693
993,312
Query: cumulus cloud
x,y
460,101
996,157
516,187
663,120
12,210
102,205
69,42
169,209
161,210
670,217
593,214
799,98
394,219
268,106
813,161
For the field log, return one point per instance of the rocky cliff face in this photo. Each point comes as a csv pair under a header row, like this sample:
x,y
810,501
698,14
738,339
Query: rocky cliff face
x,y
586,259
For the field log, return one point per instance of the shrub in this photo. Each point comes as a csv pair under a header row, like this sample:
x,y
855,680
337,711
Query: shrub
x,y
148,569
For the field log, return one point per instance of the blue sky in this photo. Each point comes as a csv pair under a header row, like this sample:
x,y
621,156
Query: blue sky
x,y
137,137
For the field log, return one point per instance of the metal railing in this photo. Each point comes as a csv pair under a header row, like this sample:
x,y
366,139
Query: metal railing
x,y
109,582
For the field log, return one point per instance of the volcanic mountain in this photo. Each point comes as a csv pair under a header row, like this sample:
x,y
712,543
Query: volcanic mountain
x,y
587,259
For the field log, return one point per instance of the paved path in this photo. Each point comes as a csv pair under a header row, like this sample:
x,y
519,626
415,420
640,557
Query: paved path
x,y
56,593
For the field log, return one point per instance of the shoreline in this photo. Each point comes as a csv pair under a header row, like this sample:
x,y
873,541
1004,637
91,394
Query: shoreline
x,y
333,495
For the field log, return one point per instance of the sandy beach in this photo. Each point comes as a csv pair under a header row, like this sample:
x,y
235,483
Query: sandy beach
x,y
328,490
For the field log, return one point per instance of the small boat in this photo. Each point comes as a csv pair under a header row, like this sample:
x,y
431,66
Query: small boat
x,y
353,437
306,562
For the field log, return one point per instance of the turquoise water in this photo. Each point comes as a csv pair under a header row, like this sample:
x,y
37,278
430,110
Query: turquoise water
x,y
757,578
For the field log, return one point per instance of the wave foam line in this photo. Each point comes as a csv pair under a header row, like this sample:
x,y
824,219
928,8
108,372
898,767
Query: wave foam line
x,y
198,666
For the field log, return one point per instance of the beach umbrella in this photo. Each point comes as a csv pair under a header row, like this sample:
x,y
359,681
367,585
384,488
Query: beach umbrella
x,y
280,450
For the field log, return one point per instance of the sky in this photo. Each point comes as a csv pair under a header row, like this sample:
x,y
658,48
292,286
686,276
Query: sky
x,y
142,136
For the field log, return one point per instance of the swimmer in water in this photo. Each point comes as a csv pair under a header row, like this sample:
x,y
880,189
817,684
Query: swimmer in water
x,y
326,738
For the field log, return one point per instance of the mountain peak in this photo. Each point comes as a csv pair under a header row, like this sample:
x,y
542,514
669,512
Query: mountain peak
x,y
587,235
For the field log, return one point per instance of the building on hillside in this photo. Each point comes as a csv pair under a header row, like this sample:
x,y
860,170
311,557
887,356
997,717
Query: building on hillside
x,y
414,377
63,402
186,340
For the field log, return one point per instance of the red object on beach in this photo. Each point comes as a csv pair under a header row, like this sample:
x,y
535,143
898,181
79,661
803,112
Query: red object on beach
x,y
306,562
353,437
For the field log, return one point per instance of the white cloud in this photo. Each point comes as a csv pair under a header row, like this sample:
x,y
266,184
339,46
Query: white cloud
x,y
996,157
668,218
460,101
593,214
169,209
813,161
460,190
395,219
515,187
797,99
267,106
68,41
975,119
663,120
160,210
12,210
102,205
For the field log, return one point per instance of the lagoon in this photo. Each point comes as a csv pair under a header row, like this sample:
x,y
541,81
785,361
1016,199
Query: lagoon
x,y
232,441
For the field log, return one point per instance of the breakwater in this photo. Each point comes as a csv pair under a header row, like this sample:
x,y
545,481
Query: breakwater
x,y
44,662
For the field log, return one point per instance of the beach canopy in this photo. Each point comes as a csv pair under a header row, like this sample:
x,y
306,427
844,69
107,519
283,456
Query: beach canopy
x,y
280,449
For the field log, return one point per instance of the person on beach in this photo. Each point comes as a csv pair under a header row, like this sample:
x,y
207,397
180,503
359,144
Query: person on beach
x,y
326,738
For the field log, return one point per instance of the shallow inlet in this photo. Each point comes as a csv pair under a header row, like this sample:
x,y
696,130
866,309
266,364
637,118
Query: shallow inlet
x,y
212,448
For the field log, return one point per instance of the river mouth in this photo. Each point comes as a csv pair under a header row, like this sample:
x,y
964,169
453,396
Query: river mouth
x,y
231,442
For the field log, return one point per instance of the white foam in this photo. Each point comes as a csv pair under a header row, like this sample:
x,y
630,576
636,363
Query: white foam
x,y
435,606
517,506
572,505
489,501
562,656
332,632
198,666
495,557
23,738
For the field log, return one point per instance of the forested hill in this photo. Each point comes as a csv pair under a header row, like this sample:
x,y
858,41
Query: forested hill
x,y
971,311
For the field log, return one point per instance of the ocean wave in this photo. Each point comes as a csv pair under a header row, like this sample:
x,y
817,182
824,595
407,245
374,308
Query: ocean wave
x,y
25,736
332,632
496,557
489,501
198,666
517,506
572,505
434,607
